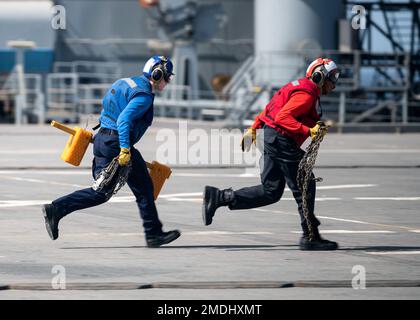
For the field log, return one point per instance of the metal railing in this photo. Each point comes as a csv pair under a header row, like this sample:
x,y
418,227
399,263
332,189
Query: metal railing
x,y
62,96
371,78
79,87
90,71
35,99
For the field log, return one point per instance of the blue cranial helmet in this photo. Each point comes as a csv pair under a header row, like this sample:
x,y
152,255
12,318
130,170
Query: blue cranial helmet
x,y
158,67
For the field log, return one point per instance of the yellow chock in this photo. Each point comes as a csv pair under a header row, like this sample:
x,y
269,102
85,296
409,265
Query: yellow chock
x,y
159,173
76,144
79,141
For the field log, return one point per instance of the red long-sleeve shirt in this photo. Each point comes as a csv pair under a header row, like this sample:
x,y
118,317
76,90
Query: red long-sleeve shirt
x,y
296,116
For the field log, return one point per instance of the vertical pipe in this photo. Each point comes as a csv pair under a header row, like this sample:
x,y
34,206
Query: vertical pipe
x,y
393,109
40,99
404,103
41,106
356,74
342,111
369,28
289,34
20,103
413,31
406,88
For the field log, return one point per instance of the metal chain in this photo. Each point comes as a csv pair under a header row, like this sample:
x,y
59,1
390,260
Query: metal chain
x,y
305,168
122,177
112,178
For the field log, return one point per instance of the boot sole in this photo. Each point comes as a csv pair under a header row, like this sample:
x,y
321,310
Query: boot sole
x,y
47,224
332,248
206,198
169,240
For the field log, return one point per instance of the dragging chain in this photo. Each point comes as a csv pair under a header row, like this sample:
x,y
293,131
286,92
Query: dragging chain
x,y
112,178
306,166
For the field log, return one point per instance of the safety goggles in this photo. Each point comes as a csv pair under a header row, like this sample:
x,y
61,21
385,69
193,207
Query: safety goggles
x,y
333,77
169,78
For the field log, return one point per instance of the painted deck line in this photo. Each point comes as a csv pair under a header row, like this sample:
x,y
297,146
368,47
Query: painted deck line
x,y
215,232
352,231
346,186
45,182
370,151
388,198
30,151
22,203
383,253
329,151
184,233
201,199
47,172
341,219
186,194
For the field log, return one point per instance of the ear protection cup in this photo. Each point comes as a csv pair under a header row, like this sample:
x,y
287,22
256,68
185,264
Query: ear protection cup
x,y
318,72
318,78
157,74
158,68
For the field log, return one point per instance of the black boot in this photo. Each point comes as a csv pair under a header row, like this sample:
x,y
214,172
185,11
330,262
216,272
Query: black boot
x,y
155,241
52,216
317,243
214,198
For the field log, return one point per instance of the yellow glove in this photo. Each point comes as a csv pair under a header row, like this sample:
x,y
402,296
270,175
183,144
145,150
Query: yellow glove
x,y
250,137
124,156
322,130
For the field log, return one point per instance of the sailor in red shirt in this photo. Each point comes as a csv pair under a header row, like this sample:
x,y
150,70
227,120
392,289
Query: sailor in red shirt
x,y
288,120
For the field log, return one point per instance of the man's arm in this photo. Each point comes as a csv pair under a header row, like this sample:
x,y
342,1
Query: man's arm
x,y
299,104
258,124
135,109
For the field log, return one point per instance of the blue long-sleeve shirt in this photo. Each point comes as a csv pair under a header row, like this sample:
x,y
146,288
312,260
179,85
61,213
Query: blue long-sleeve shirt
x,y
130,119
128,108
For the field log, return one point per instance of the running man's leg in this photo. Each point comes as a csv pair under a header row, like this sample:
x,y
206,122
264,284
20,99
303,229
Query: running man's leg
x,y
316,242
268,192
106,148
290,170
141,184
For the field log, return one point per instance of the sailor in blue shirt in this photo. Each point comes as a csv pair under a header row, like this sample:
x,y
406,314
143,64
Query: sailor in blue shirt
x,y
127,113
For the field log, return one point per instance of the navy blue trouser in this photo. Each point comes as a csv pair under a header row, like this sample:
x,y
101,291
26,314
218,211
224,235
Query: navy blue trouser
x,y
105,148
280,161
